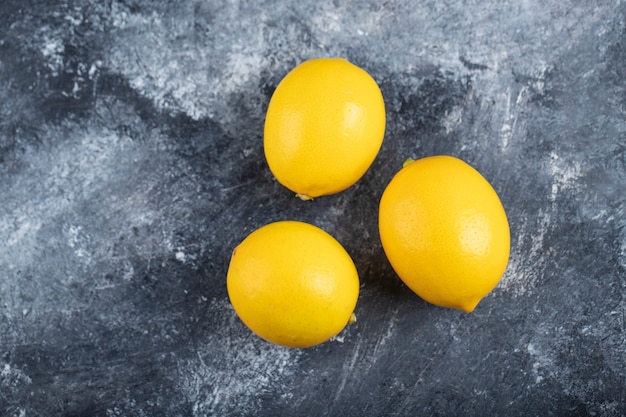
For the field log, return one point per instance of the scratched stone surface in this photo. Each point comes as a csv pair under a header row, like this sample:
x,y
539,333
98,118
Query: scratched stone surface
x,y
131,164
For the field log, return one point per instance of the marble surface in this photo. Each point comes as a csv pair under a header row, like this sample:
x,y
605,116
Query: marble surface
x,y
131,164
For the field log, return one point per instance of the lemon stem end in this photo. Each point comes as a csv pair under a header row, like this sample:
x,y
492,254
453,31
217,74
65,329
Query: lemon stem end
x,y
304,197
469,306
407,162
352,319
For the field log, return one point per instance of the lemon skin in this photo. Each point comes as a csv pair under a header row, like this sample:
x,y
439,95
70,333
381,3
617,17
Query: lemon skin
x,y
444,231
293,284
324,126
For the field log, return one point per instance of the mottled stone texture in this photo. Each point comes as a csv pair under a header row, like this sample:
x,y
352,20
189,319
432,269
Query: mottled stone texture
x,y
131,164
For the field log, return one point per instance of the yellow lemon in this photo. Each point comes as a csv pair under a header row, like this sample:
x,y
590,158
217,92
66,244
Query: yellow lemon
x,y
324,127
293,284
444,231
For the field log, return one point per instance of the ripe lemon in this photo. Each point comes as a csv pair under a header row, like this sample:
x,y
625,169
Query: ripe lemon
x,y
324,127
293,284
444,231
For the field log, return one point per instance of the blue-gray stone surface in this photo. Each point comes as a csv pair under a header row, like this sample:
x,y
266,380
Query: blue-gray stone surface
x,y
131,164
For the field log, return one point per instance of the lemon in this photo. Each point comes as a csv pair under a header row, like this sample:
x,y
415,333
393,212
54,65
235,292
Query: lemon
x,y
444,231
324,127
292,284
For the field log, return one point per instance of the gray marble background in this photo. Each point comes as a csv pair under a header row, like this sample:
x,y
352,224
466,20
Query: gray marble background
x,y
131,164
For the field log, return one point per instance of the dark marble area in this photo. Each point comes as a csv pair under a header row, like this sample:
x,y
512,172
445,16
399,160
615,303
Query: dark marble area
x,y
131,164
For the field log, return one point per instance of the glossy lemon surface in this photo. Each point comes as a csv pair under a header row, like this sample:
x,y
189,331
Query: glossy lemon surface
x,y
293,284
444,231
324,126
